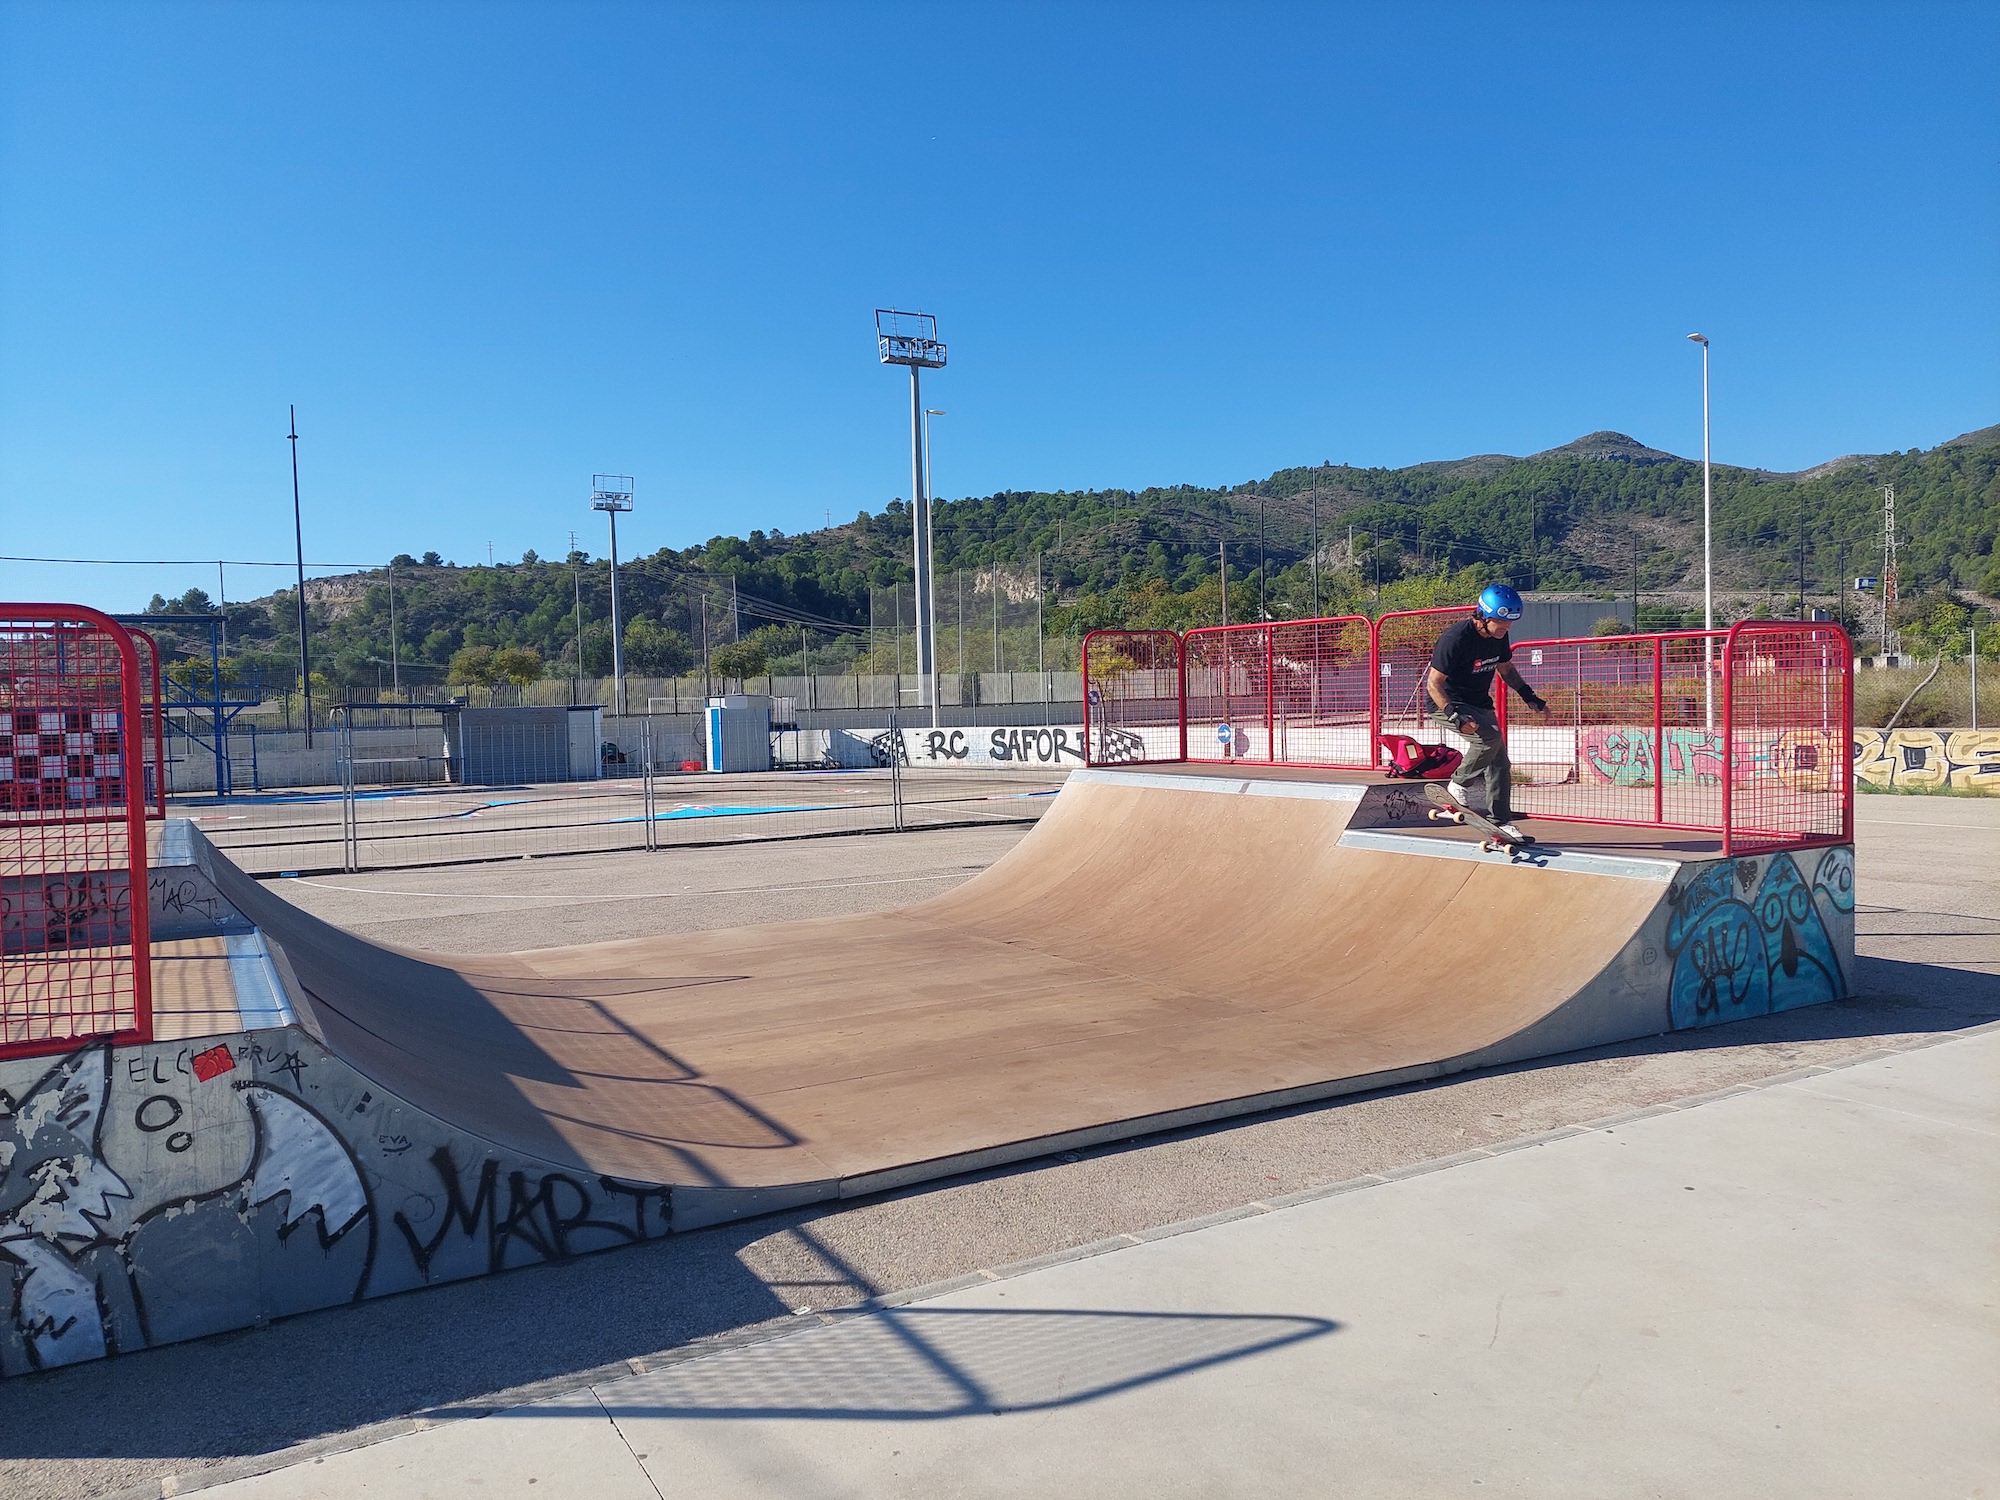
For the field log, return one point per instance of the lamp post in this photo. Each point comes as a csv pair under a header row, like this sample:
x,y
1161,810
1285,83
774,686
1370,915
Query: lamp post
x,y
1707,552
905,338
299,539
930,561
612,493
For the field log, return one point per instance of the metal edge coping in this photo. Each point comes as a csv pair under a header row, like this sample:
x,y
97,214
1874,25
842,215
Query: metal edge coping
x,y
195,1480
260,996
1540,856
1167,781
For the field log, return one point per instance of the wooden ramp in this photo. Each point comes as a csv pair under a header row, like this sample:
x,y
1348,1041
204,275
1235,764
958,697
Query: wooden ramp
x,y
1166,947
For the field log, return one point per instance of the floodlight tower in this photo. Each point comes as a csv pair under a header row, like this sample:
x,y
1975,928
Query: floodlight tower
x,y
612,493
903,338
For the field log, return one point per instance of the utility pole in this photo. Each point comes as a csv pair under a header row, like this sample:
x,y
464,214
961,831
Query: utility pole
x,y
1802,553
395,658
1263,610
576,585
299,537
1315,547
1222,552
1635,581
1889,644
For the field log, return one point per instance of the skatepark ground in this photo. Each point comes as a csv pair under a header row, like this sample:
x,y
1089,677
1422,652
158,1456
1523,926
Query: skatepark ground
x,y
1783,1291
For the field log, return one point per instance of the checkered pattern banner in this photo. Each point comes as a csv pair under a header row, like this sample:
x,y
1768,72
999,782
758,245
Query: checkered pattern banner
x,y
75,956
51,760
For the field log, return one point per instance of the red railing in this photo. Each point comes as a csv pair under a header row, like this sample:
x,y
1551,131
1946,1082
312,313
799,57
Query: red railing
x,y
1404,640
153,728
1133,697
1788,704
1294,692
1738,734
1744,734
75,951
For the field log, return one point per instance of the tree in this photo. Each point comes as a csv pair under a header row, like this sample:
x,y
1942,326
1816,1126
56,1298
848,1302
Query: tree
x,y
519,665
475,665
740,660
432,560
1609,625
653,650
402,560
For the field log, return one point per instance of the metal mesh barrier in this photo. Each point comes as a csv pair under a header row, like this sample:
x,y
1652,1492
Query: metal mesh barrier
x,y
1743,735
1621,708
1323,692
74,949
1404,641
152,723
1132,697
1787,703
1230,708
1690,754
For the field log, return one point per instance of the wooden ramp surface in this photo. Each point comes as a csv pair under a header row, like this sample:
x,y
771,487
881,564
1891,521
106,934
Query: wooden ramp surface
x,y
1144,952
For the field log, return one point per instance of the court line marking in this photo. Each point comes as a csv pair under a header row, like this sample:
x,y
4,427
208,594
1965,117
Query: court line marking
x,y
737,890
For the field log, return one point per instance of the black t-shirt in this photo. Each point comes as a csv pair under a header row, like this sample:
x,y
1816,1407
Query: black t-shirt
x,y
1467,659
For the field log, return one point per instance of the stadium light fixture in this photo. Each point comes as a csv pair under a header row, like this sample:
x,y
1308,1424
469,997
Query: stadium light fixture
x,y
612,494
910,338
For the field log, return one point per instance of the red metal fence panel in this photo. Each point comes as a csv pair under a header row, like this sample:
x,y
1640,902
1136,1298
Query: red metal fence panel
x,y
1323,692
75,955
1743,734
153,723
1625,740
1788,708
1404,640
1230,707
1133,697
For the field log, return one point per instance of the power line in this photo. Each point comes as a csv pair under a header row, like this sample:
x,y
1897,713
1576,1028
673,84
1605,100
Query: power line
x,y
184,562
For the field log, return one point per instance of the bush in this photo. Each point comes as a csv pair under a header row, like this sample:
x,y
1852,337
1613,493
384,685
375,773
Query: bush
x,y
742,660
653,650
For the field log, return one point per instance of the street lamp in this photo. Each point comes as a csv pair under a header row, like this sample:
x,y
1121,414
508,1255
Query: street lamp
x,y
930,560
1707,553
612,493
905,338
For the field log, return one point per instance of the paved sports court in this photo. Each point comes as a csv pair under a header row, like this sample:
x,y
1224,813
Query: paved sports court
x,y
1930,909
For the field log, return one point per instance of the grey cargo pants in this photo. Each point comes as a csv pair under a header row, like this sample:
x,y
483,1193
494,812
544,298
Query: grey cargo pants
x,y
1487,753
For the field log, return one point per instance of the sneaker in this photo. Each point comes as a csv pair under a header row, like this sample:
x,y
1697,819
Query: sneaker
x,y
1512,833
1460,794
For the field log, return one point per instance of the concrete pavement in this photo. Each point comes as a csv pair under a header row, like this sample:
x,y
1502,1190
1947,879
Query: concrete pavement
x,y
1787,1290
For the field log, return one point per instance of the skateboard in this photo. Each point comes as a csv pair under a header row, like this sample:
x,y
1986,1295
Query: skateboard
x,y
1444,810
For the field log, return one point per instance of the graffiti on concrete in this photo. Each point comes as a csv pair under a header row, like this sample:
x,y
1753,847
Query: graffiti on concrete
x,y
161,1192
95,1269
1751,936
65,909
1804,759
1929,760
542,1218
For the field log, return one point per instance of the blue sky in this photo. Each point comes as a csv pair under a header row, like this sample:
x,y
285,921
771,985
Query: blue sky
x,y
489,249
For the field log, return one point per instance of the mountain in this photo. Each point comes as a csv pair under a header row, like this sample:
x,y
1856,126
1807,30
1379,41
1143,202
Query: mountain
x,y
1579,519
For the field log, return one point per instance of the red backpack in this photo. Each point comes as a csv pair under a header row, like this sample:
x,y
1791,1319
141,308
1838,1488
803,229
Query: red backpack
x,y
1413,758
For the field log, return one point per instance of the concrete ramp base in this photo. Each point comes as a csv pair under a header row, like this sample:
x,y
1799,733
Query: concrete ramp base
x,y
1168,947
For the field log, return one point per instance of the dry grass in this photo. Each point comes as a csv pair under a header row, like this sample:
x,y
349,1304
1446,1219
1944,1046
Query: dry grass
x,y
1945,704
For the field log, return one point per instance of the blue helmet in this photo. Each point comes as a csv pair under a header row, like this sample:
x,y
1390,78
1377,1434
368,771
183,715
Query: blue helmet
x,y
1499,602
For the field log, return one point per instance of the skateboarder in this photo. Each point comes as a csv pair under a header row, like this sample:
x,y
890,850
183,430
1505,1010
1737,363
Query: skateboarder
x,y
1460,686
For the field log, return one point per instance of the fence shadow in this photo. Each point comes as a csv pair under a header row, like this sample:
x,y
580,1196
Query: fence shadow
x,y
928,1363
